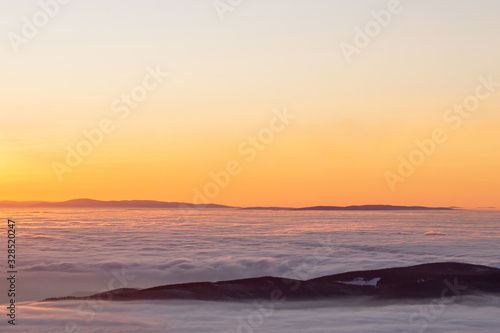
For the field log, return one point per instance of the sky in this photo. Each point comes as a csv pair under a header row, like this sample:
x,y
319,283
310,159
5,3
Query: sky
x,y
251,102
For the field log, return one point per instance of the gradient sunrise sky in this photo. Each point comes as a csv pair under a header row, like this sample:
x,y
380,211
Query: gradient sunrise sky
x,y
352,120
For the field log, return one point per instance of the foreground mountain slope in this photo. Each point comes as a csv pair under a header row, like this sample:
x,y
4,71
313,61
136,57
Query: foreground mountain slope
x,y
421,281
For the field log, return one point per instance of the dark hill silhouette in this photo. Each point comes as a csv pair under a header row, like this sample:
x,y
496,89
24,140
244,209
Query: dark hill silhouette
x,y
90,203
422,281
374,207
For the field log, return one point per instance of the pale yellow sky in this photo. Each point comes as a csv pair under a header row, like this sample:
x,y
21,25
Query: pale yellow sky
x,y
352,121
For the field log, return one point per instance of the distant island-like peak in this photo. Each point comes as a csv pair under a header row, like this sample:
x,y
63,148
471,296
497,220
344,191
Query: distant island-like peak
x,y
150,204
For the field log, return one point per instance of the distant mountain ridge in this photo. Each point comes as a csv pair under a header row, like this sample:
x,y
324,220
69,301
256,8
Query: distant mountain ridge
x,y
364,207
91,203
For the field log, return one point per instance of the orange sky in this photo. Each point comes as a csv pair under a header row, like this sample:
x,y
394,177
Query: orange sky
x,y
226,79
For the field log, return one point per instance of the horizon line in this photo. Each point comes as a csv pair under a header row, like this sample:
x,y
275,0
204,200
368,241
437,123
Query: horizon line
x,y
216,205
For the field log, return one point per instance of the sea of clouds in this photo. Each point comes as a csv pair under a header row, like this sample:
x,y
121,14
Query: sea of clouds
x,y
471,314
64,252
